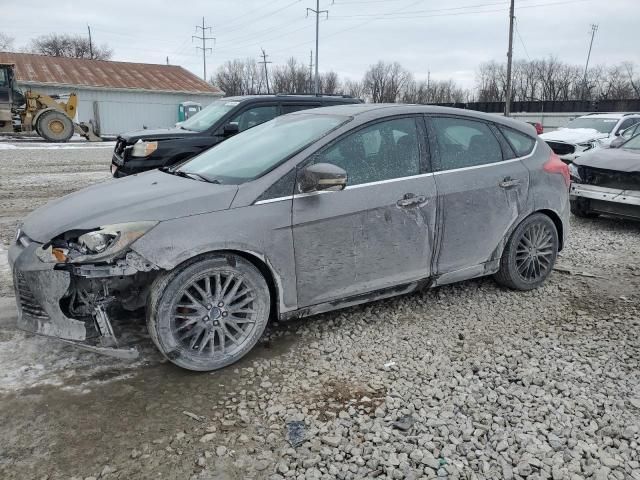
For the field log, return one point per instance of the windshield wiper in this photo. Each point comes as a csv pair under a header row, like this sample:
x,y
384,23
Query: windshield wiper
x,y
191,175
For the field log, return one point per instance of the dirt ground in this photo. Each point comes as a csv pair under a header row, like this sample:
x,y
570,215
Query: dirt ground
x,y
67,413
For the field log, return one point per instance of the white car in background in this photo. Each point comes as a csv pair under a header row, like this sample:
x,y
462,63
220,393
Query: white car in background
x,y
588,132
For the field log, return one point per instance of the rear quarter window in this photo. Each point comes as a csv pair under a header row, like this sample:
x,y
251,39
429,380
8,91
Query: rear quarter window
x,y
521,143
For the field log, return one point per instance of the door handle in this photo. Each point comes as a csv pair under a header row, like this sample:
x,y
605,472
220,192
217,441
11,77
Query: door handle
x,y
509,182
411,200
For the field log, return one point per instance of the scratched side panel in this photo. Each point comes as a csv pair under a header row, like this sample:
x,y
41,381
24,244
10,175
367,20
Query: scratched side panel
x,y
359,240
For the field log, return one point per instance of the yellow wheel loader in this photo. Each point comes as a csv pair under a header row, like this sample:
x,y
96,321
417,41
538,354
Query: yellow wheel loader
x,y
49,117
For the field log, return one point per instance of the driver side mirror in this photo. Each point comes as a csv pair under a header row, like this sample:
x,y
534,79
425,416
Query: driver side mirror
x,y
230,129
322,176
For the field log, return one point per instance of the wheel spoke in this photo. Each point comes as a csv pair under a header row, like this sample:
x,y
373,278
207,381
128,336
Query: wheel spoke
x,y
231,295
194,339
201,292
193,299
207,286
242,303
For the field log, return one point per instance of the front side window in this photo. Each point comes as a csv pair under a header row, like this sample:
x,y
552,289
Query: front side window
x,y
633,144
382,151
521,143
627,123
253,153
255,116
465,143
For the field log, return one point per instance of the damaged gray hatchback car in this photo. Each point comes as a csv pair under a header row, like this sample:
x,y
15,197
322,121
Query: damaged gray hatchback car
x,y
310,212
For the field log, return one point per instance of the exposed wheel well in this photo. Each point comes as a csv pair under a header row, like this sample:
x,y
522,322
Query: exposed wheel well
x,y
558,223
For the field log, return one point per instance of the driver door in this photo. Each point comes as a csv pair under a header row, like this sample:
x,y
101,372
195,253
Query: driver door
x,y
376,233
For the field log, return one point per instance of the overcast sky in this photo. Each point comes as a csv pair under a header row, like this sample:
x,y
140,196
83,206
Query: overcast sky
x,y
448,38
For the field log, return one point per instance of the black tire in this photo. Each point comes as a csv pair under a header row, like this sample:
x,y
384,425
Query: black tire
x,y
530,254
54,126
580,208
189,321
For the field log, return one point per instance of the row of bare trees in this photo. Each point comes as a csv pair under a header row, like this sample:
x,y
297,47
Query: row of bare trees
x,y
553,80
382,82
60,45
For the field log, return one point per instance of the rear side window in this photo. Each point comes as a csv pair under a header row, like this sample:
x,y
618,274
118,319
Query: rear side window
x,y
465,143
521,143
290,108
255,116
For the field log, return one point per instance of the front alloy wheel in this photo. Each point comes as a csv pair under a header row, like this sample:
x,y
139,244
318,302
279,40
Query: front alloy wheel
x,y
210,313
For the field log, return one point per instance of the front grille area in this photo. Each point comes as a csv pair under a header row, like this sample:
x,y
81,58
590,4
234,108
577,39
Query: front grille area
x,y
610,178
28,302
561,148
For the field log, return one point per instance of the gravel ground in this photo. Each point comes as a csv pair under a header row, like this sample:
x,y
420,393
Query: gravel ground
x,y
464,381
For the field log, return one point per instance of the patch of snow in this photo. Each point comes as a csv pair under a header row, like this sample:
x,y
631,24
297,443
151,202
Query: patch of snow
x,y
54,146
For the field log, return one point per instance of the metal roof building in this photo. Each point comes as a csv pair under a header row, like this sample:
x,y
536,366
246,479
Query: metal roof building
x,y
117,96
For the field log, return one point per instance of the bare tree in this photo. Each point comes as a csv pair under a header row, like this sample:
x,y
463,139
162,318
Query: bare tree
x,y
329,83
354,88
384,82
6,42
240,77
64,45
634,79
290,78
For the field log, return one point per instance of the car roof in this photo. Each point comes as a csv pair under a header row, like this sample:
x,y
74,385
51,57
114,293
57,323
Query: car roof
x,y
370,111
608,115
295,98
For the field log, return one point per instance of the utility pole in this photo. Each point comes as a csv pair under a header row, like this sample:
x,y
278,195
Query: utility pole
x,y
594,29
167,59
507,103
264,62
317,11
428,83
204,47
90,43
310,69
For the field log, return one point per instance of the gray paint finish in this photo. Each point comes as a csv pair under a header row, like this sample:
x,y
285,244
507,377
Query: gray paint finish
x,y
323,250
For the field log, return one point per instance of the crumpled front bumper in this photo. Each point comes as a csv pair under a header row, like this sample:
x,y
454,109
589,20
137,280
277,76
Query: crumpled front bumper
x,y
39,288
611,201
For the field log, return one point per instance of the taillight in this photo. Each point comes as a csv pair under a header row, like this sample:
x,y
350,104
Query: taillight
x,y
555,165
539,128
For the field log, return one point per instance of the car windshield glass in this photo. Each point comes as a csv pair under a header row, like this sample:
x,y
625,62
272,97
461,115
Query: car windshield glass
x,y
254,152
603,125
632,144
205,118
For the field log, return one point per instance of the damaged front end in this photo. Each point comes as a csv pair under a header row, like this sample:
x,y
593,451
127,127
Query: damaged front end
x,y
69,287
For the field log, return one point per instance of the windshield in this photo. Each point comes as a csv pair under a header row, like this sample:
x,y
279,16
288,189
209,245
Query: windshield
x,y
205,118
254,152
633,143
603,125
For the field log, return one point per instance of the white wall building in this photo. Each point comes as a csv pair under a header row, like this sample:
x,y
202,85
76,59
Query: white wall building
x,y
118,96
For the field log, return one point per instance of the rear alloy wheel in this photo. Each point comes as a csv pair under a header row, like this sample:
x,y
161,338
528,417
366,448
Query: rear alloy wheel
x,y
210,313
54,126
530,254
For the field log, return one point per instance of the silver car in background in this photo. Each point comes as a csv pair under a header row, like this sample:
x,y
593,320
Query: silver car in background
x,y
307,213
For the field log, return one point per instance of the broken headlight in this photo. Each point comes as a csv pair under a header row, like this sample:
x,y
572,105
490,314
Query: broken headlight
x,y
574,172
143,149
95,246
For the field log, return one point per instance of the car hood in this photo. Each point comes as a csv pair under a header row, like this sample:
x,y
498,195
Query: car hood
x,y
573,135
153,195
156,134
620,159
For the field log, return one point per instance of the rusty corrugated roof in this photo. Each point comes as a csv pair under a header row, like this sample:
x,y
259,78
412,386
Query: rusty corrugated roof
x,y
45,70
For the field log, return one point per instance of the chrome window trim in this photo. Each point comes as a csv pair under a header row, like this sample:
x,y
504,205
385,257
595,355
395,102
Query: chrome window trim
x,y
390,180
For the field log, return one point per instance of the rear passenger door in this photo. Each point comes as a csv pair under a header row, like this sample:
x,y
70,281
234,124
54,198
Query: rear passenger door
x,y
481,191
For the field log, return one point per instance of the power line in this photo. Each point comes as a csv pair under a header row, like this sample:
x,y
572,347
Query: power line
x,y
242,22
204,47
522,41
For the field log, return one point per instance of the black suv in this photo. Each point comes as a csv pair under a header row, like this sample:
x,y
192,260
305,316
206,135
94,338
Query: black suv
x,y
143,150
